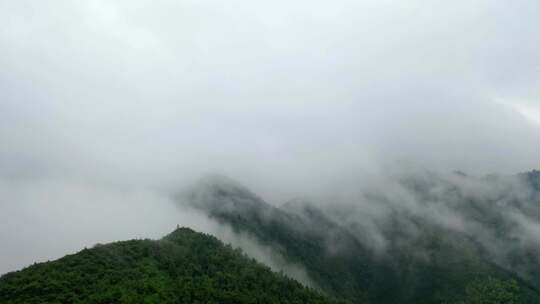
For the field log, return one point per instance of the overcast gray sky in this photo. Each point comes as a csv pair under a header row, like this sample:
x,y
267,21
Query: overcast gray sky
x,y
281,95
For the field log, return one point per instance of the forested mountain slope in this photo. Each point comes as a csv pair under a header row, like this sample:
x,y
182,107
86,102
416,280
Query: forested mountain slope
x,y
183,267
409,255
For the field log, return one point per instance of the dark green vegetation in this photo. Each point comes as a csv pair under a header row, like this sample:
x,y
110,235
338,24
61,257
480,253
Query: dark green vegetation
x,y
492,290
425,239
412,255
183,267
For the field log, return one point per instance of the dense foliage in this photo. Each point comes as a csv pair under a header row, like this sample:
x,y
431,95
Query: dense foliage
x,y
183,267
492,291
422,262
435,265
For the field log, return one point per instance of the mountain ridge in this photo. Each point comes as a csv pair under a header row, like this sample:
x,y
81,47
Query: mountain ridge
x,y
183,267
423,259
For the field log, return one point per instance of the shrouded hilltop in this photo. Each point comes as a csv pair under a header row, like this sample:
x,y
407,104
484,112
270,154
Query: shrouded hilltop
x,y
423,238
183,267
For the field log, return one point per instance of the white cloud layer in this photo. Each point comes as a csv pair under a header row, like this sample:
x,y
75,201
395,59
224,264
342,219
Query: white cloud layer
x,y
283,96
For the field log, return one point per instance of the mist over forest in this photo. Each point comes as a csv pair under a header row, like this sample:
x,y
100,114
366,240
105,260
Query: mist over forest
x,y
389,141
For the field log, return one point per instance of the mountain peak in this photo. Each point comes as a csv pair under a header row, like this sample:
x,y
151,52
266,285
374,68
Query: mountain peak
x,y
181,231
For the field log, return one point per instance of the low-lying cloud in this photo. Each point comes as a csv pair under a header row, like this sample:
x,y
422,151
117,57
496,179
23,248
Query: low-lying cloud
x,y
288,98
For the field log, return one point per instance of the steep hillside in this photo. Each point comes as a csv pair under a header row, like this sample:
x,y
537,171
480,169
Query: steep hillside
x,y
183,267
422,260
